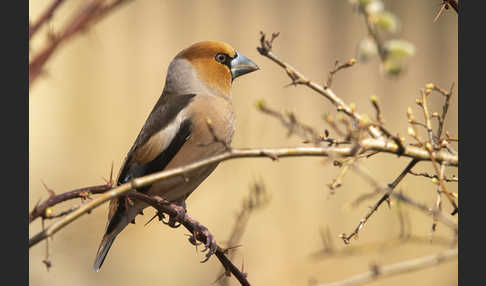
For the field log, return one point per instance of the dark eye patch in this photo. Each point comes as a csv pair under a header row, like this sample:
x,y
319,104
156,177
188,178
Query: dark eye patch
x,y
224,59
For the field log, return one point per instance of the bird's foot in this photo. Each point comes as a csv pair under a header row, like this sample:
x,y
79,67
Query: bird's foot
x,y
175,219
203,234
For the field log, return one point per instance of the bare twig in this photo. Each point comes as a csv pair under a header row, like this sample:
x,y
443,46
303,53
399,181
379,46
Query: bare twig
x,y
438,203
399,196
338,67
378,272
429,146
48,13
89,14
297,78
390,188
330,251
373,32
40,209
47,262
445,6
445,108
292,124
428,122
256,199
427,175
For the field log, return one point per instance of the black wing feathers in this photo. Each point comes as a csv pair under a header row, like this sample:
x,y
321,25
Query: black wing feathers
x,y
164,112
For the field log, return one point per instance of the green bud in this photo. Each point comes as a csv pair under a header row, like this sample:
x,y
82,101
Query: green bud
x,y
260,104
399,49
366,49
387,21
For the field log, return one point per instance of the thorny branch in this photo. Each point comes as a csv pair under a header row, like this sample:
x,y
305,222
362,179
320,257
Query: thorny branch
x,y
198,232
257,199
401,197
43,210
385,197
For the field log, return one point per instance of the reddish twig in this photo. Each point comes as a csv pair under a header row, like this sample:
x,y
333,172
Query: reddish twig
x,y
40,209
48,13
88,15
194,227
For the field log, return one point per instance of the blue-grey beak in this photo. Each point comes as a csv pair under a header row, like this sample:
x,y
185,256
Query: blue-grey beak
x,y
241,65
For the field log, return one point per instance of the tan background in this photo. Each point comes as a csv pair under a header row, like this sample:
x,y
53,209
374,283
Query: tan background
x,y
101,86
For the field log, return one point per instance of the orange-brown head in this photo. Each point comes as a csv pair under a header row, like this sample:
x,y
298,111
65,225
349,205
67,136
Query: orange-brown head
x,y
214,64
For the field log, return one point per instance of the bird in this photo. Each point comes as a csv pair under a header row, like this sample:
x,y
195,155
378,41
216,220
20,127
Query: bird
x,y
194,109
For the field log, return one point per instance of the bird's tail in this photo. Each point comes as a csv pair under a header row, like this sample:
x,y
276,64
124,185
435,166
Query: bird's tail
x,y
117,222
105,245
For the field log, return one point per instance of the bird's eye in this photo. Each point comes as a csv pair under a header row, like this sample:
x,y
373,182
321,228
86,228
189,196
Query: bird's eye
x,y
221,58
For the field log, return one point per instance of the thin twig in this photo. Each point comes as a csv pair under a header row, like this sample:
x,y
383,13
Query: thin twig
x,y
48,13
257,199
438,203
373,32
445,6
338,67
289,120
40,209
329,251
427,175
378,272
445,108
89,14
401,197
390,188
265,49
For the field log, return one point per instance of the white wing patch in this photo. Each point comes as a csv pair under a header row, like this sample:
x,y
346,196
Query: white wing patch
x,y
159,141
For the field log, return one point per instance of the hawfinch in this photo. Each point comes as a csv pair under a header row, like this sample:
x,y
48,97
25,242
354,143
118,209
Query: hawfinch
x,y
176,133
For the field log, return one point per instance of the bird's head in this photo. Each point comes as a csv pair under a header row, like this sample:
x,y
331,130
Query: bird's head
x,y
208,64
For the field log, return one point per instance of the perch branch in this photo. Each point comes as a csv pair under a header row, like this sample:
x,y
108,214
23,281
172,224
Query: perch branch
x,y
275,153
194,227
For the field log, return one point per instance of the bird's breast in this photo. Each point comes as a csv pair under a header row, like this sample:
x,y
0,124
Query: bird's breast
x,y
212,127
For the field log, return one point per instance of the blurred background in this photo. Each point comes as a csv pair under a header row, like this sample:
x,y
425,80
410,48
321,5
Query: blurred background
x,y
85,113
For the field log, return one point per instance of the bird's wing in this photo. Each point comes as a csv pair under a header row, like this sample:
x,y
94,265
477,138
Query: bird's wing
x,y
160,131
166,130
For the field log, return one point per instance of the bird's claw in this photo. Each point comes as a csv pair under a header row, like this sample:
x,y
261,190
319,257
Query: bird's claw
x,y
210,246
174,219
172,222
